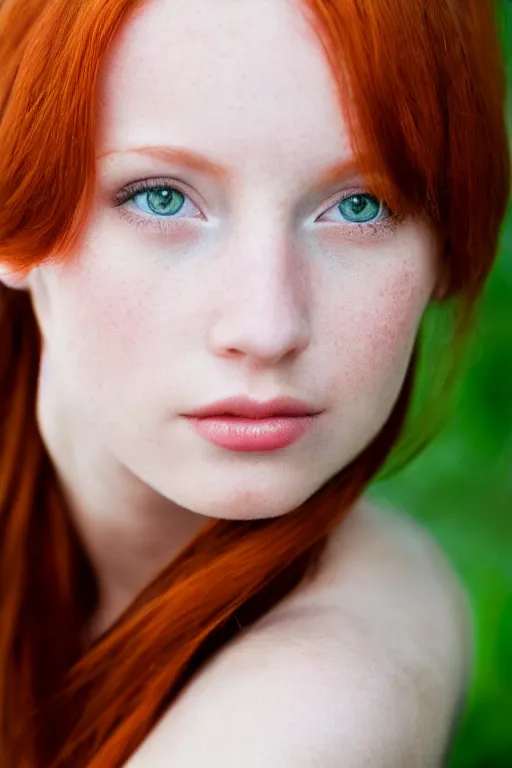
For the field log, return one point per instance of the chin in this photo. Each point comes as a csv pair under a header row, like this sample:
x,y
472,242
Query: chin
x,y
257,503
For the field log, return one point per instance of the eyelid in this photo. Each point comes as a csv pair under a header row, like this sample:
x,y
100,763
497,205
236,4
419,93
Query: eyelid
x,y
147,184
337,197
143,185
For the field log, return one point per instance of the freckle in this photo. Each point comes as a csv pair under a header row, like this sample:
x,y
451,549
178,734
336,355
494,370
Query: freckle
x,y
383,342
398,322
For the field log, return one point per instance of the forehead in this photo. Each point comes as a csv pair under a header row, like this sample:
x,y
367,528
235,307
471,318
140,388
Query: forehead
x,y
230,77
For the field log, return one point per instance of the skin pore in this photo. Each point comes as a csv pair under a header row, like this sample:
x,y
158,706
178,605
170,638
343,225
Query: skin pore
x,y
259,283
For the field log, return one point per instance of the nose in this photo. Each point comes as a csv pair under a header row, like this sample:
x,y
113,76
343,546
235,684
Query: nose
x,y
262,313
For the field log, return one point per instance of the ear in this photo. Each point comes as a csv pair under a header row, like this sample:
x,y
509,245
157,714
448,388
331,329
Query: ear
x,y
11,278
441,285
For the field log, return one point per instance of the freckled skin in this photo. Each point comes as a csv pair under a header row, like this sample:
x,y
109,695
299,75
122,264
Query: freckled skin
x,y
248,297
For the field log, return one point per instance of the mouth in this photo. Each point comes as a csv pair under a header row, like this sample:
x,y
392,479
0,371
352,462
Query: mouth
x,y
242,424
244,407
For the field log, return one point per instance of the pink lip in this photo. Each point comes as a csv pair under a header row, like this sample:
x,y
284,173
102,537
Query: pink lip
x,y
241,434
254,409
242,424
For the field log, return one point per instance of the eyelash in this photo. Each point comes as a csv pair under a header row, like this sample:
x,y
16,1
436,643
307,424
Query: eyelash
x,y
167,224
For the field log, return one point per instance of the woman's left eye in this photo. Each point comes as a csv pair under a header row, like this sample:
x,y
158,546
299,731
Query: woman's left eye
x,y
360,208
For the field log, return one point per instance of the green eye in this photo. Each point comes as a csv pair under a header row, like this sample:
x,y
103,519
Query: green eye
x,y
359,208
164,201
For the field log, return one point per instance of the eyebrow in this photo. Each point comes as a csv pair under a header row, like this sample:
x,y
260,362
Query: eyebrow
x,y
198,162
185,157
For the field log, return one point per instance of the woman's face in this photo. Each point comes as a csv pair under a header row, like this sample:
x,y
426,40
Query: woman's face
x,y
243,275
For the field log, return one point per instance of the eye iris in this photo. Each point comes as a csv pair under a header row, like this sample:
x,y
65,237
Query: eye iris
x,y
165,200
359,208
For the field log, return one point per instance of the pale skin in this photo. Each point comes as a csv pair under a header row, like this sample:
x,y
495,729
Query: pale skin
x,y
257,285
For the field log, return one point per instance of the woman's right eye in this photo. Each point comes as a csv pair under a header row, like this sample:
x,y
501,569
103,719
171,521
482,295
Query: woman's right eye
x,y
158,200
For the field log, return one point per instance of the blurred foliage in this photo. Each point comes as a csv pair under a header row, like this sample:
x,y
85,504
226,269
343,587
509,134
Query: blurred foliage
x,y
460,489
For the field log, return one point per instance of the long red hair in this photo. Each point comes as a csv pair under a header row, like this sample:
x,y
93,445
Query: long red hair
x,y
427,110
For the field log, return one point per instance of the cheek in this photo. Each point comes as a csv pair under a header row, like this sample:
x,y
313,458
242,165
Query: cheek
x,y
378,332
100,327
393,324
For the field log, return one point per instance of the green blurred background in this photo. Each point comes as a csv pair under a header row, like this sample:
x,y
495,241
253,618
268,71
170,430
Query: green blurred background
x,y
460,489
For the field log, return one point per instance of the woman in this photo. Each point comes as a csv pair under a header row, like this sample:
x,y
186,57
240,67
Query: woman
x,y
253,201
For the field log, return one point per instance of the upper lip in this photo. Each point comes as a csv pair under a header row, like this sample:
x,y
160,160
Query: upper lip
x,y
255,409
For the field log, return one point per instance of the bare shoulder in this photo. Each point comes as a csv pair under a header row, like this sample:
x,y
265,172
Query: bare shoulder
x,y
369,662
386,573
398,546
382,568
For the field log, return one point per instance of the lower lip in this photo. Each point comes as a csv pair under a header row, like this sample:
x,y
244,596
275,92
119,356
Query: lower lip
x,y
242,434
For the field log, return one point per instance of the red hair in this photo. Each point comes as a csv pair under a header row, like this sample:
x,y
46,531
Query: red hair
x,y
427,89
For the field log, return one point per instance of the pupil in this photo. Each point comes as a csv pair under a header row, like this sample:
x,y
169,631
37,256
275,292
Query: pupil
x,y
360,208
164,200
358,203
